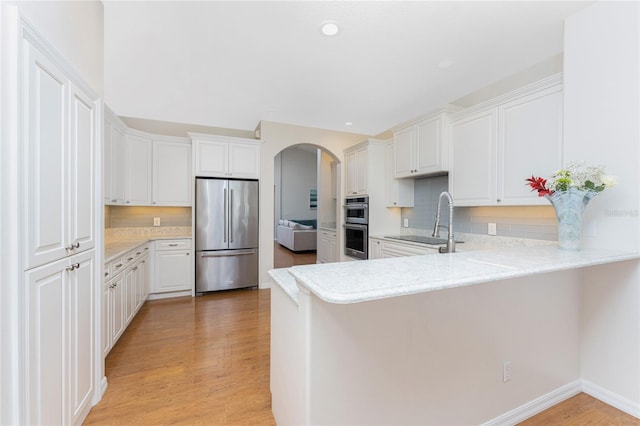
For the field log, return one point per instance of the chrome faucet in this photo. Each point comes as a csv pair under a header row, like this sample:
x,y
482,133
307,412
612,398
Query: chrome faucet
x,y
451,244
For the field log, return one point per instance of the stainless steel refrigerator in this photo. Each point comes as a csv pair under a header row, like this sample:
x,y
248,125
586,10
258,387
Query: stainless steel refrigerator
x,y
226,234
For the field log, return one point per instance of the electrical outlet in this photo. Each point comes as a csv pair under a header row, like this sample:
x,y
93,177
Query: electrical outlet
x,y
506,371
491,229
406,222
156,221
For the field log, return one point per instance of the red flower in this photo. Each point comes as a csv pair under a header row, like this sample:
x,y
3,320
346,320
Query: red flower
x,y
539,184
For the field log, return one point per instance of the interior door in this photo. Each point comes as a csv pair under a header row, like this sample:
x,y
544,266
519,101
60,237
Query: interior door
x,y
243,214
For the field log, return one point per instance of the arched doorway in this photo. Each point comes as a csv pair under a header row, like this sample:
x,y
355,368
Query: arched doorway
x,y
306,188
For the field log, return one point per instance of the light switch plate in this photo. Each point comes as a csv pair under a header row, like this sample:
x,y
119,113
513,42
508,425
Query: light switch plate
x,y
406,222
156,221
491,229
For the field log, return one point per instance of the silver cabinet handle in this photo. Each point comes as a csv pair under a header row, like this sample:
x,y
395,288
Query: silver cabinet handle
x,y
119,265
135,268
106,274
76,244
138,253
70,247
129,259
173,245
70,267
114,200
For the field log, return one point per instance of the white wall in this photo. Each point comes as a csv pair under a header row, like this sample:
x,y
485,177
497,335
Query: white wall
x,y
76,30
276,137
602,110
298,175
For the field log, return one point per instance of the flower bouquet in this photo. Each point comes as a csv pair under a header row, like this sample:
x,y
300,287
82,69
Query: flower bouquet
x,y
569,191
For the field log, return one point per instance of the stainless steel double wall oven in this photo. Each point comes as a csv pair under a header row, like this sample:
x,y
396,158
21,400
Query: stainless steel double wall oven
x,y
356,227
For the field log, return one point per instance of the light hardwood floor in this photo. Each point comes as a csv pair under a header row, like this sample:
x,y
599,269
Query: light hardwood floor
x,y
205,361
284,258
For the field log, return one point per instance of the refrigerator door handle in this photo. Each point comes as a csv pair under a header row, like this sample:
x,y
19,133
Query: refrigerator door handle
x,y
228,253
231,216
225,216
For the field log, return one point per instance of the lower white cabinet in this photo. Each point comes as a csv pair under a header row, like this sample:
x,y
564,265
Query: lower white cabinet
x,y
61,318
327,246
125,289
381,248
173,266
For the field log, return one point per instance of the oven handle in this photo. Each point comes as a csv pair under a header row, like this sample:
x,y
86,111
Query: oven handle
x,y
354,226
356,206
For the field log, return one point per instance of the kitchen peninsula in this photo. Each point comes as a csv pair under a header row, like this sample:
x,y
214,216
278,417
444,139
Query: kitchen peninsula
x,y
481,336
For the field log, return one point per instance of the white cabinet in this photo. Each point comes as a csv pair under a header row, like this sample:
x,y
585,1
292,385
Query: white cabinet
x,y
380,248
113,163
173,266
398,192
125,289
496,145
422,148
172,180
327,246
142,169
138,170
218,156
61,318
356,171
59,190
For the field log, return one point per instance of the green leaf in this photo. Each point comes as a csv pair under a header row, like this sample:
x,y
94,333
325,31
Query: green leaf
x,y
589,185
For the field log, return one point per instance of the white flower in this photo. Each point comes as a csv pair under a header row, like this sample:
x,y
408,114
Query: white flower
x,y
608,181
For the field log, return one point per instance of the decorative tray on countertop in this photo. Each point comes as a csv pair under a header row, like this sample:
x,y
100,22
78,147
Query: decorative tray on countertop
x,y
420,239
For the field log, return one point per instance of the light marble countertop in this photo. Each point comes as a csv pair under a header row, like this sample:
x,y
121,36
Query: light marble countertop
x,y
118,241
361,281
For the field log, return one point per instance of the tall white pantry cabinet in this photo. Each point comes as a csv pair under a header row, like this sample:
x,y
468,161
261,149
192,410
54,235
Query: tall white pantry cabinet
x,y
58,142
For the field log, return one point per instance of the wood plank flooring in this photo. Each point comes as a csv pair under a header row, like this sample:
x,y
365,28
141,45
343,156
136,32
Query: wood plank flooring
x,y
205,361
285,258
202,360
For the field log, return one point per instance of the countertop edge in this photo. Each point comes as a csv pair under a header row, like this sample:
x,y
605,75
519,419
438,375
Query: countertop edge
x,y
131,245
303,279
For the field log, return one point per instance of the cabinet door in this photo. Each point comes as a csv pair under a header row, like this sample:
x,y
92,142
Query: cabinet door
x,y
429,146
244,161
46,161
472,181
530,142
107,191
138,170
333,249
211,158
117,166
351,173
361,172
323,248
82,146
46,337
171,174
173,271
403,143
129,294
81,319
398,192
106,318
117,301
375,248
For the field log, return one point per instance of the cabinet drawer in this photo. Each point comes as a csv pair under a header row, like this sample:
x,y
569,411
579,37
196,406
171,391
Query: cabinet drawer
x,y
173,245
115,267
107,271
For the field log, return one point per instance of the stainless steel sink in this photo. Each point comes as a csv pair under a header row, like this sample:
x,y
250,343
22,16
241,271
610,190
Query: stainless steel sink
x,y
419,239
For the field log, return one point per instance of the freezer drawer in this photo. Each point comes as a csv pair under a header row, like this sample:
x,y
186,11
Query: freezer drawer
x,y
226,269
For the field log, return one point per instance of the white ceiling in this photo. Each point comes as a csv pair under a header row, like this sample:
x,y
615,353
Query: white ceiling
x,y
232,64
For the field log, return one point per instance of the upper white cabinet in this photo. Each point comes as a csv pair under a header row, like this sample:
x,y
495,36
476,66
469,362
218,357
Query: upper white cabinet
x,y
138,170
113,163
59,190
422,148
356,171
172,178
152,170
498,144
219,156
398,192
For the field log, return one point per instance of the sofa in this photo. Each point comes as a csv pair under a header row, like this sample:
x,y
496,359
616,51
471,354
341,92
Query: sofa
x,y
297,235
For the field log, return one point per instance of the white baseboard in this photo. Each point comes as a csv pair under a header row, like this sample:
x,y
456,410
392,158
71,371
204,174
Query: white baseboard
x,y
536,406
611,398
103,386
156,296
264,285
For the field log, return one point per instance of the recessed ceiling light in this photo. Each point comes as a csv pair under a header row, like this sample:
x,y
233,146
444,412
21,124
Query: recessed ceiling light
x,y
445,63
348,123
330,28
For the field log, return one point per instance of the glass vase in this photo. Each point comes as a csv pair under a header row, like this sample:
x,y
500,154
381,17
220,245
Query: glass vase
x,y
569,206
